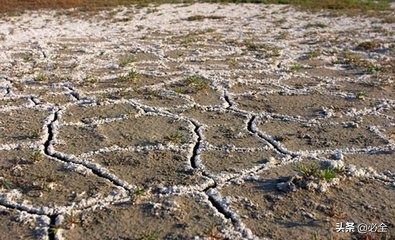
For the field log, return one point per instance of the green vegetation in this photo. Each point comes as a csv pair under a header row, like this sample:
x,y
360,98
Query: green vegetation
x,y
35,134
262,49
312,170
4,183
149,236
138,192
313,54
41,78
89,80
296,68
354,60
27,57
176,137
131,76
196,83
36,156
316,25
124,61
345,6
370,45
202,17
361,95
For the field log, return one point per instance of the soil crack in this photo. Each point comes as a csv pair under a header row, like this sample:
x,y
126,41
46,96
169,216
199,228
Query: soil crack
x,y
194,158
273,143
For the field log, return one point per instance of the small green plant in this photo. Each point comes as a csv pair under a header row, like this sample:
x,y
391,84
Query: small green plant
x,y
372,69
233,63
54,229
327,174
176,137
131,76
139,192
179,90
150,93
149,236
35,134
312,170
196,83
5,183
90,80
370,45
296,68
313,54
36,156
27,58
316,25
41,78
307,170
202,17
361,95
124,61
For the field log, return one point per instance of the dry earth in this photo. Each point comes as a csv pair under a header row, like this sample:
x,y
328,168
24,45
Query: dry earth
x,y
186,121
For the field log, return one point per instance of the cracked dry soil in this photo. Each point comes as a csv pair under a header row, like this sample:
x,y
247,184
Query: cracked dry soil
x,y
180,121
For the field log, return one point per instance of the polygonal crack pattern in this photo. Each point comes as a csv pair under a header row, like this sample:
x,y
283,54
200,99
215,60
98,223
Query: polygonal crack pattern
x,y
172,122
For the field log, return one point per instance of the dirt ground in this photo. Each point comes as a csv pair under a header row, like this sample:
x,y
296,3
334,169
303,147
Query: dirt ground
x,y
197,121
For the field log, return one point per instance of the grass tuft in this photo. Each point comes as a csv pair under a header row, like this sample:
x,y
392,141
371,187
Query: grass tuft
x,y
312,170
131,76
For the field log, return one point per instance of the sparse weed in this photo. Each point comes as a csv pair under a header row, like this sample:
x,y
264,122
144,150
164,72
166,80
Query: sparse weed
x,y
124,61
307,170
327,174
179,90
313,54
372,69
312,170
316,25
35,134
4,183
131,76
139,192
202,17
54,229
361,95
296,68
176,137
36,156
70,221
212,233
27,58
370,45
149,236
51,178
196,83
233,63
90,80
262,49
41,78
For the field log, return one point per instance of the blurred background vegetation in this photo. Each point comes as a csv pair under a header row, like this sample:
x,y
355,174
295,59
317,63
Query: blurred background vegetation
x,y
92,5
